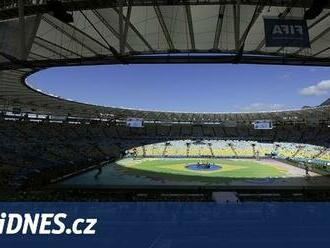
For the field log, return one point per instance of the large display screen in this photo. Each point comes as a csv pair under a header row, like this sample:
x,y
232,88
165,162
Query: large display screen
x,y
263,124
134,122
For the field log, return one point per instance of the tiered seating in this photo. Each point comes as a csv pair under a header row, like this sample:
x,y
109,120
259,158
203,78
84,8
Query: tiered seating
x,y
200,149
30,148
244,149
221,149
177,148
287,150
264,148
234,148
325,156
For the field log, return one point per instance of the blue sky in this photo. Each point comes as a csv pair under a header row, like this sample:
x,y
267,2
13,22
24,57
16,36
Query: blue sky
x,y
195,88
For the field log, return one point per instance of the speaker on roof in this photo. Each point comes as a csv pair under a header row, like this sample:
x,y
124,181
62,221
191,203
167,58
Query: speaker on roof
x,y
59,11
316,9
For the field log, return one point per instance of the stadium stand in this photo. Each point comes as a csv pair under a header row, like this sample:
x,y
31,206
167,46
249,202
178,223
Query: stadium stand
x,y
31,146
36,149
234,148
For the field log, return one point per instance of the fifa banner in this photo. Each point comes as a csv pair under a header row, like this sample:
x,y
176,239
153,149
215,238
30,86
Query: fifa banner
x,y
286,32
263,124
134,122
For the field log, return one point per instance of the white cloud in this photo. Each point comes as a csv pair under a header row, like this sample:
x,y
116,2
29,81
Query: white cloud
x,y
318,89
258,106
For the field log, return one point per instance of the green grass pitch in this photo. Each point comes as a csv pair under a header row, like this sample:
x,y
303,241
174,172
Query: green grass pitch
x,y
175,169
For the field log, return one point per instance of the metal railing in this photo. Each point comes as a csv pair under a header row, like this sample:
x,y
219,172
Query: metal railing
x,y
11,4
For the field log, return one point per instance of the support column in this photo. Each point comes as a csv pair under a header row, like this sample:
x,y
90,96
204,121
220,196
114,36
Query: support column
x,y
21,18
121,29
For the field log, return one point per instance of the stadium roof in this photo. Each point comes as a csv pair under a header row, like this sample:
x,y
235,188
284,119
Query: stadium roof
x,y
327,102
40,35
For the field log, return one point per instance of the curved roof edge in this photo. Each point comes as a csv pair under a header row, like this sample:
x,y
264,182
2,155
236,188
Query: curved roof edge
x,y
326,103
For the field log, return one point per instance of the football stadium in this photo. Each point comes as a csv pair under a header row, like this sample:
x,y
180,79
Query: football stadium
x,y
55,149
213,163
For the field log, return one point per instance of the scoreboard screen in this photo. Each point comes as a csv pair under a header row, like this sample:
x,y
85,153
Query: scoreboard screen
x,y
134,122
263,124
